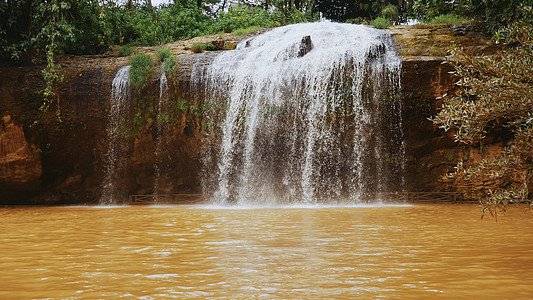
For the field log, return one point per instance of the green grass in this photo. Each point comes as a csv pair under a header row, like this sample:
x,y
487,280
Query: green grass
x,y
198,47
169,66
446,19
163,54
125,50
380,23
245,31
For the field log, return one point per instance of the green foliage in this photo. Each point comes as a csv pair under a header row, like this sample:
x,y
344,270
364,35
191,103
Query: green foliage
x,y
497,95
91,26
143,117
245,31
141,69
180,21
41,30
446,19
429,9
380,23
163,54
169,66
343,10
125,50
242,17
52,32
287,16
198,47
358,20
492,15
391,13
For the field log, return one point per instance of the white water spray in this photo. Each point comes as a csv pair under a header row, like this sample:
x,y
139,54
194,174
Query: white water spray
x,y
309,115
120,93
162,135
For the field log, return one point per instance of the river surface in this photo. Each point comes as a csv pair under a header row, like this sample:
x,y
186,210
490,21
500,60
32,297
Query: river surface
x,y
398,252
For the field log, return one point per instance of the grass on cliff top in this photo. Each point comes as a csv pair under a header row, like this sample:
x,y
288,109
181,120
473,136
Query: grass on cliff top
x,y
380,23
446,19
245,31
163,54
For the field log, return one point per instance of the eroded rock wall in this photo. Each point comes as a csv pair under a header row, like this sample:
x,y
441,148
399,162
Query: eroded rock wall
x,y
60,159
20,164
426,80
55,162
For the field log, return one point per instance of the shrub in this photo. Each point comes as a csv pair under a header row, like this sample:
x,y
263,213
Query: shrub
x,y
358,20
245,31
125,50
141,67
380,23
163,54
229,45
446,19
283,17
181,21
198,47
169,66
391,13
497,96
242,17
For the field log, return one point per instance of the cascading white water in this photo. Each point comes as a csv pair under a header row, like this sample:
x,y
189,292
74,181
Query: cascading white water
x,y
307,114
161,135
120,93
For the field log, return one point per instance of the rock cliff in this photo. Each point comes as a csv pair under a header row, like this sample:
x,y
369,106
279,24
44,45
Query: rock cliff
x,y
53,162
426,80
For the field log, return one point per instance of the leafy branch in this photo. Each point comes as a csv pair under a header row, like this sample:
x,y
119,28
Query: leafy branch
x,y
497,92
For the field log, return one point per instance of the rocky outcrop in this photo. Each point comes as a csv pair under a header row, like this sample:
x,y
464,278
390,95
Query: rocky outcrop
x,y
305,46
55,162
20,165
426,80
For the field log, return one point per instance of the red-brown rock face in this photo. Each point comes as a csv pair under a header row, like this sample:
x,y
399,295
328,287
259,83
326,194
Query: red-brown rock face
x,y
62,162
20,165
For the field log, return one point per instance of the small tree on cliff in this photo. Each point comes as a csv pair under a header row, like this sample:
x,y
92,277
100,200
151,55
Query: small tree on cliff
x,y
497,94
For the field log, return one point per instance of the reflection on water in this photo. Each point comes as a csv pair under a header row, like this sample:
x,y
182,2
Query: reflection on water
x,y
329,253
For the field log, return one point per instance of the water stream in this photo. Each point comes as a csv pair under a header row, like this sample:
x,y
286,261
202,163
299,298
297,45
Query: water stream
x,y
304,113
162,136
120,93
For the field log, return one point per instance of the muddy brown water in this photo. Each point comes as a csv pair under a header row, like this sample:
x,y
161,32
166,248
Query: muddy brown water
x,y
198,252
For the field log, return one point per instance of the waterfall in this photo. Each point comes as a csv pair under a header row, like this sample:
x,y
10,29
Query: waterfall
x,y
162,136
306,113
114,166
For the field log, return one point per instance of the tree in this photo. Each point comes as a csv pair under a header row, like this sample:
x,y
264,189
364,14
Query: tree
x,y
342,10
41,27
497,96
492,15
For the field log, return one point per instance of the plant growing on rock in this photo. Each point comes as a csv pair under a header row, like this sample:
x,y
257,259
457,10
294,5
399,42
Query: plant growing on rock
x,y
163,54
497,94
141,67
140,75
125,50
391,13
198,47
380,23
169,66
446,19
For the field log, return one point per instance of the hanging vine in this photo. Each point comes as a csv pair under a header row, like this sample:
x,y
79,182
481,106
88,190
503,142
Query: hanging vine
x,y
54,30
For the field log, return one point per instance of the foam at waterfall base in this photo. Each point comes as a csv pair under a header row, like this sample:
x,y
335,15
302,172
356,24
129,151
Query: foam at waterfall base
x,y
377,204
